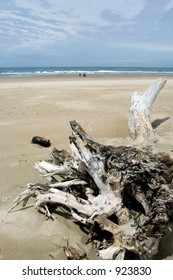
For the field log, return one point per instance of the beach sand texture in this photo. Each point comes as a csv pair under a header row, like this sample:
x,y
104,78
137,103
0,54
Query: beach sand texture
x,y
44,107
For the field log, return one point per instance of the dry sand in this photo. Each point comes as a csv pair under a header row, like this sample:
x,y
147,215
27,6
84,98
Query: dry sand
x,y
44,107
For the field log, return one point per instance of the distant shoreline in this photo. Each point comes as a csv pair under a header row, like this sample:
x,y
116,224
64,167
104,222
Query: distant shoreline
x,y
15,72
77,78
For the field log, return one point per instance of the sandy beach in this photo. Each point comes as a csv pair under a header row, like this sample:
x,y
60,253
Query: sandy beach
x,y
44,106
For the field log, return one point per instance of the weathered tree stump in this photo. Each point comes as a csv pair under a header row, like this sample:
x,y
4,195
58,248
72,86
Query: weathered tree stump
x,y
140,127
123,195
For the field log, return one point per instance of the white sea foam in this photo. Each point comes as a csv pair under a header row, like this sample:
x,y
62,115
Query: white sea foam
x,y
45,71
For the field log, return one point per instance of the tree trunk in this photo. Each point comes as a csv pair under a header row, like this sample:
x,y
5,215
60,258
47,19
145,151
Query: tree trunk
x,y
140,127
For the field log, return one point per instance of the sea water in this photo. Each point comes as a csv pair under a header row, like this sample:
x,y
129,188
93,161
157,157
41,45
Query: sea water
x,y
48,71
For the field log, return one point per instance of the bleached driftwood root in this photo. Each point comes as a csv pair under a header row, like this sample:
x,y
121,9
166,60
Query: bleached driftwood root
x,y
122,194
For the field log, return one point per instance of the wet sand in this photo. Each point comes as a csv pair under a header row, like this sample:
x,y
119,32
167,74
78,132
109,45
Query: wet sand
x,y
44,106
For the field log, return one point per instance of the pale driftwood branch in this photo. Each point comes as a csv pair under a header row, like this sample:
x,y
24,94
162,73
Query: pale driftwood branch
x,y
66,199
94,165
69,183
51,169
123,195
25,195
140,128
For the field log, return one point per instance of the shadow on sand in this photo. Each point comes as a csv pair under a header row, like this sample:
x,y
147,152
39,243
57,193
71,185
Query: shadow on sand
x,y
158,122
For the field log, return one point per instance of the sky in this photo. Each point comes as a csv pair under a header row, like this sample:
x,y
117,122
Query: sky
x,y
86,33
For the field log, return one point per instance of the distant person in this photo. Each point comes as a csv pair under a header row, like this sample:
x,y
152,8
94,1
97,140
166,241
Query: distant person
x,y
84,75
79,74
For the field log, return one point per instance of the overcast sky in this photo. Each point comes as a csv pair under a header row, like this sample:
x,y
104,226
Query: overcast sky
x,y
86,33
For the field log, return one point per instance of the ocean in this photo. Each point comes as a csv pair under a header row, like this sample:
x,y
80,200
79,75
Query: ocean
x,y
48,71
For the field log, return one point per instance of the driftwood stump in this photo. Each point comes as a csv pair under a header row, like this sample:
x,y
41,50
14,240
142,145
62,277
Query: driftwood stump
x,y
140,127
123,195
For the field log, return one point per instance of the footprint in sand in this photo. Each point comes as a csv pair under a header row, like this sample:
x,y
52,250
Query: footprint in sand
x,y
4,199
16,163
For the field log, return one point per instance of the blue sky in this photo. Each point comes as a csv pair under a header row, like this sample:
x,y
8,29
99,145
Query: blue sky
x,y
86,33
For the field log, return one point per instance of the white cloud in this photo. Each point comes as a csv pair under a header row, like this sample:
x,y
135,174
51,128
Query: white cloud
x,y
76,15
92,26
169,6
